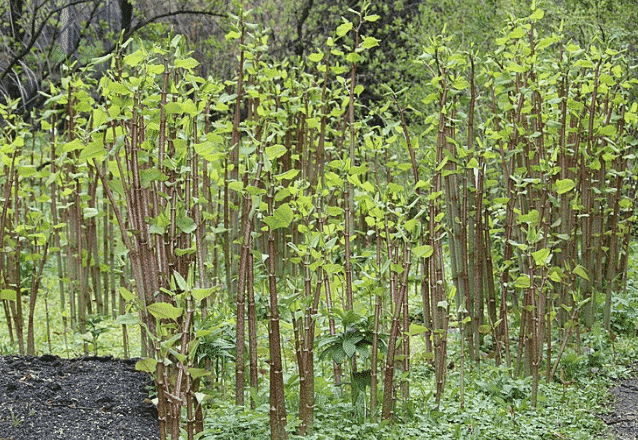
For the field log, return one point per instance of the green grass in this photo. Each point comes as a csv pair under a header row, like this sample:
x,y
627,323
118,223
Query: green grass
x,y
69,342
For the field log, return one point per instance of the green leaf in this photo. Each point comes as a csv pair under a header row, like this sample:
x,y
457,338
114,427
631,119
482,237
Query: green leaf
x,y
369,42
410,225
608,80
349,348
564,185
517,33
196,373
344,29
200,294
188,63
180,281
595,164
75,144
147,365
127,294
128,319
353,57
288,175
424,251
537,14
368,187
90,212
531,217
363,351
162,310
175,40
315,57
333,211
607,130
186,224
523,282
135,58
180,251
18,141
416,329
555,275
173,108
281,218
236,186
332,268
484,329
27,171
38,239
155,69
190,108
8,294
275,151
151,175
581,272
338,355
515,67
93,150
541,257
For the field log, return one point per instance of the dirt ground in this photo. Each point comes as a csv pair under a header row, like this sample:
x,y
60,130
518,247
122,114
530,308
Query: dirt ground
x,y
90,398
623,420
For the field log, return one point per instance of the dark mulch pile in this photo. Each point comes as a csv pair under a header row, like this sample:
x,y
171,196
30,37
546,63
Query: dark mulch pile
x,y
91,398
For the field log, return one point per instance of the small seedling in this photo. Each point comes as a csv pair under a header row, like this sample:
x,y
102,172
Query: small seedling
x,y
14,421
94,330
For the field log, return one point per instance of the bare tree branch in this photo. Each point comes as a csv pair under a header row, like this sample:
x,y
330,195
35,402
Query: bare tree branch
x,y
171,14
34,36
39,20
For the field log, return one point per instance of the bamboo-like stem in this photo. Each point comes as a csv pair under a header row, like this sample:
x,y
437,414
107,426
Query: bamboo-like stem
x,y
326,282
388,379
252,325
277,399
4,280
438,304
374,358
35,286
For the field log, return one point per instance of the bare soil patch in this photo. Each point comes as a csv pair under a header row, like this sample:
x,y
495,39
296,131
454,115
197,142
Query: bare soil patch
x,y
623,420
92,398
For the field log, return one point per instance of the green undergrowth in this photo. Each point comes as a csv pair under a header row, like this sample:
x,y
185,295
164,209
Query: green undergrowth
x,y
496,401
70,342
566,413
496,404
